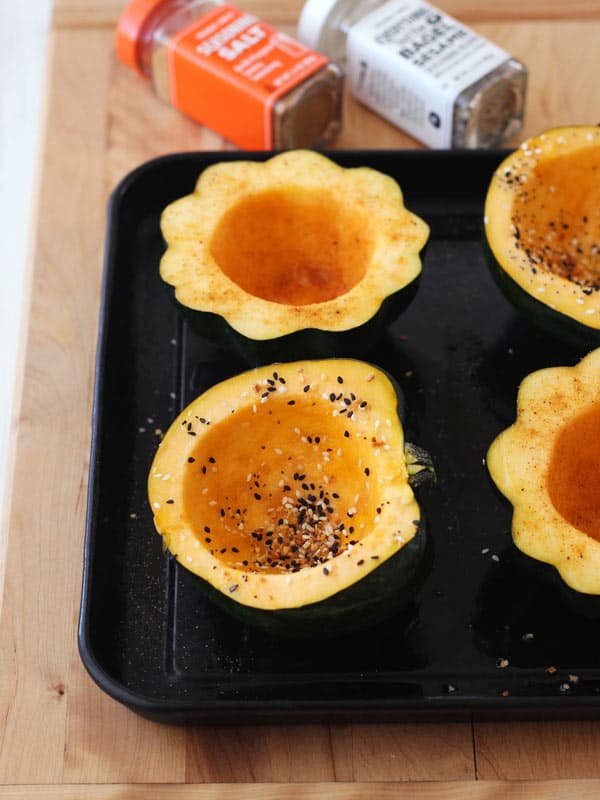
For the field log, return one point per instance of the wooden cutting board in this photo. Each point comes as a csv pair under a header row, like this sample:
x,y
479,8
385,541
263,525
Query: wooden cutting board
x,y
60,736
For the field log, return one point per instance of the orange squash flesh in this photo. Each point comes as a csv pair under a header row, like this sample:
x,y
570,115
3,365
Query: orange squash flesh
x,y
292,246
287,496
560,235
574,472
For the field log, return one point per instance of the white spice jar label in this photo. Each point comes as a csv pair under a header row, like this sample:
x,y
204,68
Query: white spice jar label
x,y
409,62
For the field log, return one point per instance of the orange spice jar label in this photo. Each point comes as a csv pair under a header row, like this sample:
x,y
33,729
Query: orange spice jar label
x,y
228,69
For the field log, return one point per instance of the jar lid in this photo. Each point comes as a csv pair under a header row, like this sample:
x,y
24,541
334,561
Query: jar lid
x,y
313,22
129,30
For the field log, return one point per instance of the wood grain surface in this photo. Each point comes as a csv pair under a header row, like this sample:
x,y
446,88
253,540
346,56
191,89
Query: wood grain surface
x,y
60,736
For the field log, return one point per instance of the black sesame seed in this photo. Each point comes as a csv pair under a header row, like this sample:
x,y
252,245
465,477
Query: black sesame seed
x,y
340,379
191,460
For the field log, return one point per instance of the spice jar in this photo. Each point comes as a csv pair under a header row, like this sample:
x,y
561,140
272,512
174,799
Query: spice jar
x,y
228,70
421,69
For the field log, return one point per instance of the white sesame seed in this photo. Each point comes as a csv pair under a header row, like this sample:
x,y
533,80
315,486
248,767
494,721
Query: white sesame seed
x,y
156,505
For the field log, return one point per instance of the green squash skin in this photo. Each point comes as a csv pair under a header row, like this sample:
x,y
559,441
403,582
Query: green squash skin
x,y
303,344
558,325
384,592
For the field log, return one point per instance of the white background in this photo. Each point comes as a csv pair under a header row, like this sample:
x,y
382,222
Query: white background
x,y
24,25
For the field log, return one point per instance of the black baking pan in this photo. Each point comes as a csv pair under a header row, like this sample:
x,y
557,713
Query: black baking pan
x,y
491,632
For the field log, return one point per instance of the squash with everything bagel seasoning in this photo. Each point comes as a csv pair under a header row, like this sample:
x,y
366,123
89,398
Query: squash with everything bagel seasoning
x,y
287,490
542,232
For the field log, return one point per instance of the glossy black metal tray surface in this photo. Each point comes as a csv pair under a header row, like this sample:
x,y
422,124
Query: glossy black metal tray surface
x,y
490,632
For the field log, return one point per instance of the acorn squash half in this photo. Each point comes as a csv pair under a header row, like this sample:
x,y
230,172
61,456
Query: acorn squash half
x,y
286,490
548,465
542,227
293,244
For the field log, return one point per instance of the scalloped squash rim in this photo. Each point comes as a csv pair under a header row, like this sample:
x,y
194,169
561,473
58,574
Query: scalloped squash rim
x,y
188,225
518,461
